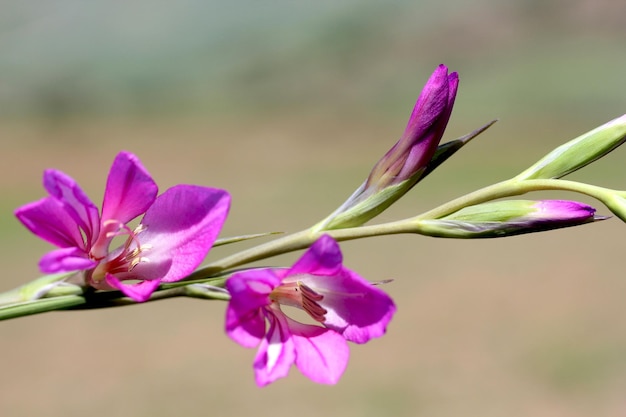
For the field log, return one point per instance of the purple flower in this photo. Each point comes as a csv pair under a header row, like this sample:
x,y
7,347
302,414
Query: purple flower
x,y
349,307
176,233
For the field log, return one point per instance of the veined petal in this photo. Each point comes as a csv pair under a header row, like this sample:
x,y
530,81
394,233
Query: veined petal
x,y
428,120
276,353
74,201
130,189
453,85
179,230
322,258
321,354
356,308
48,219
139,292
431,103
65,260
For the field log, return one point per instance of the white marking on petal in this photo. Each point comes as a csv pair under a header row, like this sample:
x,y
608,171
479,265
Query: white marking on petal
x,y
274,346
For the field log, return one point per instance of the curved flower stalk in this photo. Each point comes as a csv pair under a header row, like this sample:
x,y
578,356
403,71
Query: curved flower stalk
x,y
349,307
174,236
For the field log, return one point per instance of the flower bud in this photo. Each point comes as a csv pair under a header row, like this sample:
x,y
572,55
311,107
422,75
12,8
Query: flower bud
x,y
405,163
408,158
579,152
508,218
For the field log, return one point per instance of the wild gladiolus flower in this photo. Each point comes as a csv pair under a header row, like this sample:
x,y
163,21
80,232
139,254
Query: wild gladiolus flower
x,y
407,161
174,236
349,307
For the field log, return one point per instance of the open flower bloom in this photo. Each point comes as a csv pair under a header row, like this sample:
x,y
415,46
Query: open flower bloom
x,y
408,160
349,307
176,233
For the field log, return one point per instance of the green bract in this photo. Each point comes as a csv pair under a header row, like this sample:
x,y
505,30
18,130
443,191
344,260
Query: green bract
x,y
579,152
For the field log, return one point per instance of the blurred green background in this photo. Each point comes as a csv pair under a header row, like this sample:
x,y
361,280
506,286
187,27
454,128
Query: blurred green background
x,y
288,105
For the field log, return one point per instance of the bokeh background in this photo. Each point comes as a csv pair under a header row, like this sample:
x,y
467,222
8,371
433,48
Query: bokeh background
x,y
288,105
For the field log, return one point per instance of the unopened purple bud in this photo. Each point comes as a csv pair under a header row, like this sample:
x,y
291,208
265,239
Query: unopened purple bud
x,y
408,158
406,162
509,218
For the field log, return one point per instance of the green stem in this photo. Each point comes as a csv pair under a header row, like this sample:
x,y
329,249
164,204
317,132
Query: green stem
x,y
40,306
204,289
303,239
293,242
198,286
510,188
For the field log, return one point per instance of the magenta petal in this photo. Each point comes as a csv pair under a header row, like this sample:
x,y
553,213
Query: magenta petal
x,y
74,201
276,353
430,104
322,258
130,189
428,120
65,260
562,211
356,308
453,85
247,330
48,219
180,229
321,354
139,292
249,291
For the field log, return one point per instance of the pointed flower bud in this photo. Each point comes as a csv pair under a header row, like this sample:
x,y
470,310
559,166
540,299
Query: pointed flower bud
x,y
408,158
579,152
508,218
405,163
